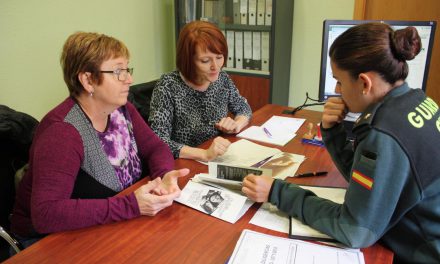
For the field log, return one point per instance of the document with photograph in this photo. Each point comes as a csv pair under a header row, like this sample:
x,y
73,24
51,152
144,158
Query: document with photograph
x,y
254,247
283,164
212,200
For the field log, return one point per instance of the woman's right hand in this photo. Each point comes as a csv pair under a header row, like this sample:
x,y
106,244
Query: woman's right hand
x,y
218,147
334,112
149,203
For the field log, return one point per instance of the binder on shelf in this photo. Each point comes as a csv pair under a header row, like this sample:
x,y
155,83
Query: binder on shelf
x,y
238,49
231,48
247,50
256,50
265,42
261,7
268,17
208,10
236,12
252,12
243,12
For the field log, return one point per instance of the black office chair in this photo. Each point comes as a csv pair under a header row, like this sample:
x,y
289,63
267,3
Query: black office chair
x,y
140,96
16,133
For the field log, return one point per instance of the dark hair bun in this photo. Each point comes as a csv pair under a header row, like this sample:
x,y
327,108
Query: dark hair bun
x,y
407,43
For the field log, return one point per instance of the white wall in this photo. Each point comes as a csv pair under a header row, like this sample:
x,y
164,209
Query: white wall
x,y
308,17
33,32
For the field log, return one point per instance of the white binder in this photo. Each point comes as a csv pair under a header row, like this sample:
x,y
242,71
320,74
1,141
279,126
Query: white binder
x,y
238,49
243,12
247,50
236,11
252,12
231,48
265,48
256,50
268,20
261,7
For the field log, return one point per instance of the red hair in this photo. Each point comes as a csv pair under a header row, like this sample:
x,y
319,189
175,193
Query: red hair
x,y
204,35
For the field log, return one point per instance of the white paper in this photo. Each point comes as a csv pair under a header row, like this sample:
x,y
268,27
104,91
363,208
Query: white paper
x,y
281,125
218,202
245,153
279,130
257,133
253,247
268,216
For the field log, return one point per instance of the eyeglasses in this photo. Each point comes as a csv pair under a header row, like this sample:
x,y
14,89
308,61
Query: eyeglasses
x,y
121,73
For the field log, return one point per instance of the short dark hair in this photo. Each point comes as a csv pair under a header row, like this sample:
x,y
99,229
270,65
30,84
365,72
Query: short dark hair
x,y
376,47
204,35
85,52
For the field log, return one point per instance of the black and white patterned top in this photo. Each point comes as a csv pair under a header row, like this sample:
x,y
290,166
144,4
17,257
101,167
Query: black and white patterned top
x,y
183,116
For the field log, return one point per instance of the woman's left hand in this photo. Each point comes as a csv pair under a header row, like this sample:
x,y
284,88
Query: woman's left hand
x,y
169,182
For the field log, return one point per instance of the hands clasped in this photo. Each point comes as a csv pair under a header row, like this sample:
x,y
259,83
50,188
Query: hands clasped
x,y
159,193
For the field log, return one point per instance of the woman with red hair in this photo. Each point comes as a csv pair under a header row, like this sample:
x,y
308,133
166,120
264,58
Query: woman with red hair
x,y
191,105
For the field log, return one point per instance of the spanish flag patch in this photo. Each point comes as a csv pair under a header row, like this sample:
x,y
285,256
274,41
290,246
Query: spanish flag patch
x,y
363,180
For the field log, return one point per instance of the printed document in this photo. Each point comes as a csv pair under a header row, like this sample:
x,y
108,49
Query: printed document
x,y
253,247
212,200
283,164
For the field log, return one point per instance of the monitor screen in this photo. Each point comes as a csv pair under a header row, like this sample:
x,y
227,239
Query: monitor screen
x,y
418,67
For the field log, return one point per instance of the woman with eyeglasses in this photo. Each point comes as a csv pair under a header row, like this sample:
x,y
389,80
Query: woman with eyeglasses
x,y
393,167
92,146
190,105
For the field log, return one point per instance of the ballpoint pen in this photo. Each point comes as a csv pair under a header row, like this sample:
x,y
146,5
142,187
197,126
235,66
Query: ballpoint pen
x,y
267,132
310,174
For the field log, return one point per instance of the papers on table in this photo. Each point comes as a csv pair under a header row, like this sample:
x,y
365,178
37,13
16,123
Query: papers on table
x,y
268,216
278,130
218,202
253,247
302,231
246,153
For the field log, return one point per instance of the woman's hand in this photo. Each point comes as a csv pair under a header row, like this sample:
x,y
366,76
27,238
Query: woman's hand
x,y
232,126
149,203
334,112
218,147
169,182
257,188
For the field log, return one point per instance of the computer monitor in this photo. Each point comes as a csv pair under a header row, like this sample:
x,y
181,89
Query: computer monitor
x,y
418,67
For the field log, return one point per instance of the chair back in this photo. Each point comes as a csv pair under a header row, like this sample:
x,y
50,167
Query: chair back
x,y
140,96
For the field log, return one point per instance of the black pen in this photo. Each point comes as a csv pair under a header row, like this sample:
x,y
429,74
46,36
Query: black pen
x,y
310,174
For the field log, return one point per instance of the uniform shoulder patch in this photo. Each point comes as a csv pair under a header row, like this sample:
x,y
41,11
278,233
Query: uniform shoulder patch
x,y
362,179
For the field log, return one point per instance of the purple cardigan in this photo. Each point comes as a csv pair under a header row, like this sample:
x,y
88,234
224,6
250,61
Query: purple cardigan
x,y
44,204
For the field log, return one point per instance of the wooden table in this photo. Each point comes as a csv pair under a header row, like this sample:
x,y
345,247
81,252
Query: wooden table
x,y
179,234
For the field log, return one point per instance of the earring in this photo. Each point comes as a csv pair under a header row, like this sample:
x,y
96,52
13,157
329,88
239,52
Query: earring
x,y
91,94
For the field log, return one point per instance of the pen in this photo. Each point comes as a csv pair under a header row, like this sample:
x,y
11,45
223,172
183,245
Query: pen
x,y
309,174
267,132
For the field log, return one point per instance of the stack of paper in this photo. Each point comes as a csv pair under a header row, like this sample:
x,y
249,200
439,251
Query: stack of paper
x,y
278,130
254,247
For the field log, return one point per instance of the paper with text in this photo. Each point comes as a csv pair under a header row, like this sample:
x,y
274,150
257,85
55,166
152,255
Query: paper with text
x,y
283,164
253,247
